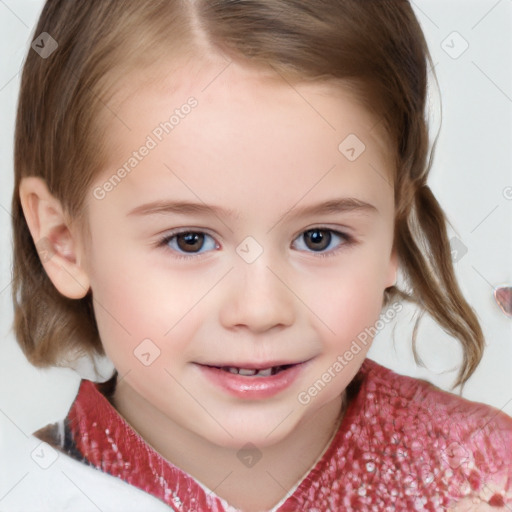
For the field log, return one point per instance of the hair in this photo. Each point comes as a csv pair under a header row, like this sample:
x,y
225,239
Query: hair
x,y
375,48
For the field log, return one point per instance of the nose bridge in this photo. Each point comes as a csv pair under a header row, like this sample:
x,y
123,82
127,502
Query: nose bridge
x,y
257,279
258,298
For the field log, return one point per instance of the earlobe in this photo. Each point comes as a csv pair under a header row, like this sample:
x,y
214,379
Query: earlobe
x,y
55,242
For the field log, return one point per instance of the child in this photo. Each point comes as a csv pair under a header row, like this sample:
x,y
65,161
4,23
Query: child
x,y
218,196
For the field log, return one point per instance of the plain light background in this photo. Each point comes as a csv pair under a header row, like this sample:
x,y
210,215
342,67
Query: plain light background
x,y
471,177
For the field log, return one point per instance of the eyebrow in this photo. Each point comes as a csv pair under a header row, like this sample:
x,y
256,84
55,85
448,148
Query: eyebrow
x,y
332,206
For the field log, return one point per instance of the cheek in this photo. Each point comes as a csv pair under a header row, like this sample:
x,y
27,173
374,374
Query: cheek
x,y
349,303
125,301
136,301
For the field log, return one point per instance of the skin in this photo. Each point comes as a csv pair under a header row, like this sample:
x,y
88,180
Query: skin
x,y
263,148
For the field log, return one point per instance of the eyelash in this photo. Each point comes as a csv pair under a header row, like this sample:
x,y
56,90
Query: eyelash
x,y
348,241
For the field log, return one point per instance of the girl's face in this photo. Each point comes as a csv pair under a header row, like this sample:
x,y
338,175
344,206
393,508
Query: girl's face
x,y
241,223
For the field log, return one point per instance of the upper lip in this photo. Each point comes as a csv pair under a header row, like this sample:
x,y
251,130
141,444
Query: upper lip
x,y
252,365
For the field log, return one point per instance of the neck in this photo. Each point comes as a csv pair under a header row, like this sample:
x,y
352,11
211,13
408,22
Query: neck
x,y
249,487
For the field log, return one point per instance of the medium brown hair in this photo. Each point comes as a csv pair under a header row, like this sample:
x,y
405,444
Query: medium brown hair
x,y
374,47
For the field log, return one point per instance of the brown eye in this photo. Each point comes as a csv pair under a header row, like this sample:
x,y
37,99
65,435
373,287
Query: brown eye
x,y
190,242
317,239
323,241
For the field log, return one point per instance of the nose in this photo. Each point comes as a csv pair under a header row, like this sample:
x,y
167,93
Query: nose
x,y
257,298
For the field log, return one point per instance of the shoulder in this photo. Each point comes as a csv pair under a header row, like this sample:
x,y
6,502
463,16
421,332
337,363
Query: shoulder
x,y
407,399
468,442
58,482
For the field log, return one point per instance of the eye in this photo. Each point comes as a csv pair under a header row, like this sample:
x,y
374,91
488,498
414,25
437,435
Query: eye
x,y
188,243
319,239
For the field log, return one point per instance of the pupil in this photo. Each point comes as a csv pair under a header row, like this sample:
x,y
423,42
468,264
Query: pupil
x,y
320,238
190,240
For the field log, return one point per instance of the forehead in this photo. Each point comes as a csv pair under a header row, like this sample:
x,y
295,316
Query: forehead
x,y
247,125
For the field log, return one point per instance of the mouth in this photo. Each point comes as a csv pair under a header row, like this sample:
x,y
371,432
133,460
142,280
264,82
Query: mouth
x,y
254,372
253,380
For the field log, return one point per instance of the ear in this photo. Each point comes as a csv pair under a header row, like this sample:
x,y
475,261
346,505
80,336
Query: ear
x,y
53,238
392,269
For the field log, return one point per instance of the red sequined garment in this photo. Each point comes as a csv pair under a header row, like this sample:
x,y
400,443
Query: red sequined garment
x,y
403,445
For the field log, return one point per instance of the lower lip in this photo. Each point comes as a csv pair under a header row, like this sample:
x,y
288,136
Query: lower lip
x,y
253,387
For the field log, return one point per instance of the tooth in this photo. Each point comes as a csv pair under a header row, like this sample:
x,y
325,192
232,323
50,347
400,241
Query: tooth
x,y
247,372
265,373
232,369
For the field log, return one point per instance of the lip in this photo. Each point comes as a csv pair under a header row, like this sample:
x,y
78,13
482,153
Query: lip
x,y
250,387
254,365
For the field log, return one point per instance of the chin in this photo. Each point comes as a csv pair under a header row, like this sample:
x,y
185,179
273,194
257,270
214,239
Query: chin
x,y
261,434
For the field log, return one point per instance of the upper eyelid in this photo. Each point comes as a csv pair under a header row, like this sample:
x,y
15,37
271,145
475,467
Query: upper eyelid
x,y
345,230
167,235
180,231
